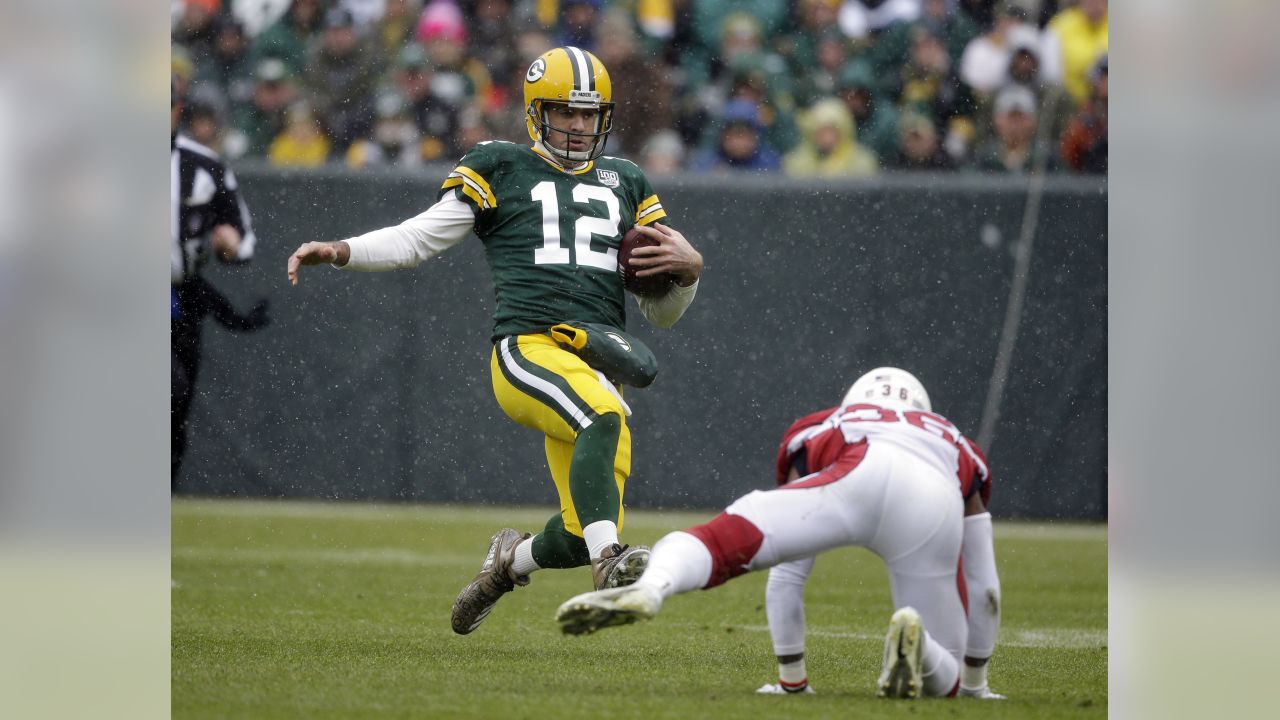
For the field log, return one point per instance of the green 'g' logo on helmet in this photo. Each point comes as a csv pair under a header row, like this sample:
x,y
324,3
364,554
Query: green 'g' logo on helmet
x,y
536,70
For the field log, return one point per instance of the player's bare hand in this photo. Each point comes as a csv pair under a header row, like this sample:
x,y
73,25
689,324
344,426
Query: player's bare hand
x,y
317,253
673,254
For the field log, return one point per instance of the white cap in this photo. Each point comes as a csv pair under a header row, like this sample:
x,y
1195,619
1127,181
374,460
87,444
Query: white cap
x,y
1015,97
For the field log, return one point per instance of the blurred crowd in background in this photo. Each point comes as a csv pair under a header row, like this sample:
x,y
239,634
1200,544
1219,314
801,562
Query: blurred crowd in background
x,y
808,88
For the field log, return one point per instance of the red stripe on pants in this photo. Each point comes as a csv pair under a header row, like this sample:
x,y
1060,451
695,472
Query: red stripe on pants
x,y
733,541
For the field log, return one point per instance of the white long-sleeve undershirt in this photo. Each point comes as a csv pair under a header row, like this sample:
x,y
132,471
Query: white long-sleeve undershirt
x,y
665,311
415,240
446,224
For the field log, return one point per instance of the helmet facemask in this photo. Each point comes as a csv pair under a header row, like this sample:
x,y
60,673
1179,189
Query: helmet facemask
x,y
596,136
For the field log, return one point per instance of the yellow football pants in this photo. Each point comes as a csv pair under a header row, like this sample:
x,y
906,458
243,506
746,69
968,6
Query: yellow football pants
x,y
551,390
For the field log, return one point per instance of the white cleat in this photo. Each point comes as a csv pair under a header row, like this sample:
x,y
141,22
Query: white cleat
x,y
777,689
981,693
588,612
901,675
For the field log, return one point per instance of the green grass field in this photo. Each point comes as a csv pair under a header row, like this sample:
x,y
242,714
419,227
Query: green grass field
x,y
341,610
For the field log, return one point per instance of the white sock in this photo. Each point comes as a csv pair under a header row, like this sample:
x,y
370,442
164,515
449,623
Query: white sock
x,y
523,564
600,535
973,677
679,563
792,676
940,669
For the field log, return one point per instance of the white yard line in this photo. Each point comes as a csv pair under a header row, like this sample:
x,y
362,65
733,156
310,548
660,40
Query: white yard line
x,y
1067,638
1019,530
296,556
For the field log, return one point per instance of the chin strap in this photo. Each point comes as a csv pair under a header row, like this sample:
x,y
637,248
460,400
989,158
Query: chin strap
x,y
558,156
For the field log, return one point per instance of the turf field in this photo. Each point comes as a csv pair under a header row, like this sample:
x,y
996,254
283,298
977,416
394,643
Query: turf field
x,y
341,610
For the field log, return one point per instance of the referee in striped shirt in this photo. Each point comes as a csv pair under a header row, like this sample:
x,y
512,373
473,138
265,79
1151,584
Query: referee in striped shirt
x,y
207,216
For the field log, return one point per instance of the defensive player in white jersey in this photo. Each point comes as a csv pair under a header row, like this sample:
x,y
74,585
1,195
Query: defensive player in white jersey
x,y
880,471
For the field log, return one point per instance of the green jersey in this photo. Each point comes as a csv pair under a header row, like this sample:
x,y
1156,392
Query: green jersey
x,y
551,235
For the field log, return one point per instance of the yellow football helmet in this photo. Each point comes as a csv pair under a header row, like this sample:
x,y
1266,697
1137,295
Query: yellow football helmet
x,y
576,78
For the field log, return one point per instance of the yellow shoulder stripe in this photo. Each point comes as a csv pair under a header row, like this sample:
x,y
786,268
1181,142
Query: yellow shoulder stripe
x,y
480,201
650,211
473,186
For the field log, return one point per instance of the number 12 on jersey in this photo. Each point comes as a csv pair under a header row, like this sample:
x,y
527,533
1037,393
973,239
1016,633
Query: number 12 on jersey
x,y
552,252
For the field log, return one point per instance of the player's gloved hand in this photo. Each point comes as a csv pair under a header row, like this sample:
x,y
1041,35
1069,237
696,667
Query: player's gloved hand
x,y
777,689
258,316
982,693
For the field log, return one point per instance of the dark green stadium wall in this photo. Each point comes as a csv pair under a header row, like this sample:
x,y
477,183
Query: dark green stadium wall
x,y
377,385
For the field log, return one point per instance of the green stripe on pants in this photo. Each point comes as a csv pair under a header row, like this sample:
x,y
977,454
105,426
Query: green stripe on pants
x,y
548,387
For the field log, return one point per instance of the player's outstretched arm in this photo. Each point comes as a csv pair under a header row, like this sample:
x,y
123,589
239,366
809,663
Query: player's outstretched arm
x,y
673,254
406,245
318,253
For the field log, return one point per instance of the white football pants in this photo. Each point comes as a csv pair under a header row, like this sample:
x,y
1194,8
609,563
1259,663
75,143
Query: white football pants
x,y
892,503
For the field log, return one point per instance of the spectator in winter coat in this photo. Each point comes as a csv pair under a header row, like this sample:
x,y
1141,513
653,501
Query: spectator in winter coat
x,y
1081,31
742,145
1084,144
918,146
873,113
258,124
227,68
342,77
289,38
830,147
1013,149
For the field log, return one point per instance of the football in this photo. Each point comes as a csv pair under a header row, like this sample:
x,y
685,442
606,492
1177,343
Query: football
x,y
649,286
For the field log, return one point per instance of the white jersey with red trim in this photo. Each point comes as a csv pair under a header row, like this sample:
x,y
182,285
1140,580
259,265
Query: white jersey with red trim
x,y
819,440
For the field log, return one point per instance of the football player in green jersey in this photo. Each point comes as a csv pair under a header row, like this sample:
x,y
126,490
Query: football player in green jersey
x,y
551,216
